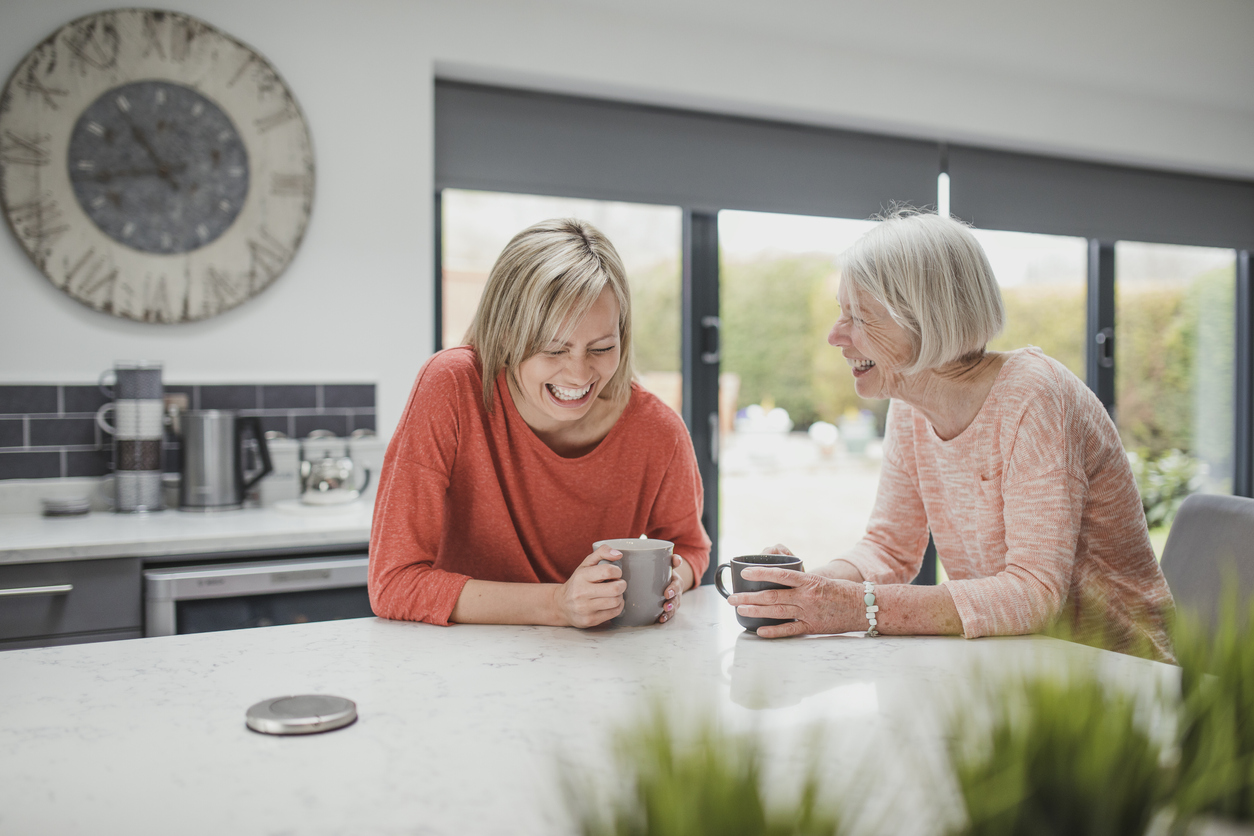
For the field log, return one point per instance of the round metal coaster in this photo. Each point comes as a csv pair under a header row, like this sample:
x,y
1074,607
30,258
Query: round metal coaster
x,y
303,714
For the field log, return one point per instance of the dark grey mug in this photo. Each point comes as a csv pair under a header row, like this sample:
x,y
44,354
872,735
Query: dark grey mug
x,y
646,566
739,584
133,381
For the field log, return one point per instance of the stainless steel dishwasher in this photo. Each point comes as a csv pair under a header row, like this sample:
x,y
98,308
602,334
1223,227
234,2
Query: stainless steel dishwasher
x,y
258,593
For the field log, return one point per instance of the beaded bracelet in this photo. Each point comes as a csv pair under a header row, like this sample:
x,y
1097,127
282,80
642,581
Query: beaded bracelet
x,y
872,609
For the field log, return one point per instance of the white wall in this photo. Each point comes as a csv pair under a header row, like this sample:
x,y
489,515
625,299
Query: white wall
x,y
1142,81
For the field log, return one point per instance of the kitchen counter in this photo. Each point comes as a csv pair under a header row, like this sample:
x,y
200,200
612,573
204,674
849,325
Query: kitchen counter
x,y
462,728
29,538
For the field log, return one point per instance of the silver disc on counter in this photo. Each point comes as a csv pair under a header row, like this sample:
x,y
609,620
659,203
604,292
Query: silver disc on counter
x,y
303,714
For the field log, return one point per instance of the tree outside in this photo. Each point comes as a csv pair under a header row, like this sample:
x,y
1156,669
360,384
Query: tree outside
x,y
776,313
1175,359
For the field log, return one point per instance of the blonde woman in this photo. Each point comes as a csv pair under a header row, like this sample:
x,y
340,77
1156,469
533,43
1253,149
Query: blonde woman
x,y
521,448
1006,458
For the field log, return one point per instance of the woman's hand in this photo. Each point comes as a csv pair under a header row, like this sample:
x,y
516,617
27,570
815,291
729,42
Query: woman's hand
x,y
594,592
815,603
680,580
839,569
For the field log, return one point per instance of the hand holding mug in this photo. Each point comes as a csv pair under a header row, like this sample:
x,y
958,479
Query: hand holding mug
x,y
799,603
783,564
674,590
594,592
648,570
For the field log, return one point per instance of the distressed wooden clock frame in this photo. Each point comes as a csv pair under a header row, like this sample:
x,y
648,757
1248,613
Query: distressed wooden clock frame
x,y
153,167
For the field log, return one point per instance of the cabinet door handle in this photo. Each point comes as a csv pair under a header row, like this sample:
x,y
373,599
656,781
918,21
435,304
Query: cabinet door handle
x,y
56,589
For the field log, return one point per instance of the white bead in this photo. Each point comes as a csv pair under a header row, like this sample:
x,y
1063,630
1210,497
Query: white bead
x,y
873,608
872,622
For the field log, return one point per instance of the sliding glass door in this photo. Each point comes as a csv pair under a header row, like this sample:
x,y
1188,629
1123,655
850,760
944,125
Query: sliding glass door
x,y
800,450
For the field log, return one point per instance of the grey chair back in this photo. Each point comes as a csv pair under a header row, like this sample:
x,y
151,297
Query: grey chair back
x,y
1211,543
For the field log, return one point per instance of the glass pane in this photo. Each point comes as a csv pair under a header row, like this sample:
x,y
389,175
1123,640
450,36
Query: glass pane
x,y
1174,369
1043,282
799,462
478,225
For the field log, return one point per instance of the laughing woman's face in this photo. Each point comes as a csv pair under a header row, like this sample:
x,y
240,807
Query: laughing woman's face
x,y
875,346
560,385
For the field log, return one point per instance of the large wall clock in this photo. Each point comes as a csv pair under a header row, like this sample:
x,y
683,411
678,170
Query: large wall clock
x,y
153,167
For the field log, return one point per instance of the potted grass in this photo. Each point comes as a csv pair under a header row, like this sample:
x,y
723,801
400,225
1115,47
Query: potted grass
x,y
1215,789
695,779
1056,754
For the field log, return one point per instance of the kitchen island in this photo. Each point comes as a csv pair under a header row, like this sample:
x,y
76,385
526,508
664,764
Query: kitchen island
x,y
461,729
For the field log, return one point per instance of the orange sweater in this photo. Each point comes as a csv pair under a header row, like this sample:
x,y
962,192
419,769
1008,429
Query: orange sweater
x,y
1033,508
467,494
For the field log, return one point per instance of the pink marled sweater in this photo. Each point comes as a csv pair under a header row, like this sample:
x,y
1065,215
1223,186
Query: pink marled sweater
x,y
1033,509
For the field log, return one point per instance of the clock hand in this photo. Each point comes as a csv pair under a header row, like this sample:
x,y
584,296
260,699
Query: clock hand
x,y
163,169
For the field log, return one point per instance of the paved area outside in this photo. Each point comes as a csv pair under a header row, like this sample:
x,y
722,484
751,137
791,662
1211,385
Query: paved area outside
x,y
782,488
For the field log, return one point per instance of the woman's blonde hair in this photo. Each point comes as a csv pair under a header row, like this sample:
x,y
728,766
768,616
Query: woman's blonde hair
x,y
543,283
934,279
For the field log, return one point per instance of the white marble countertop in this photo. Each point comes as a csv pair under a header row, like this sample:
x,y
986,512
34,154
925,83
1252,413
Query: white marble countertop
x,y
461,728
30,538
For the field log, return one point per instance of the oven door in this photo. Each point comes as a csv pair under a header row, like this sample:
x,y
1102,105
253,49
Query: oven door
x,y
231,596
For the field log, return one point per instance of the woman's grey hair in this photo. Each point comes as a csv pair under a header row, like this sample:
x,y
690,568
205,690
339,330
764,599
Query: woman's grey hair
x,y
934,279
543,283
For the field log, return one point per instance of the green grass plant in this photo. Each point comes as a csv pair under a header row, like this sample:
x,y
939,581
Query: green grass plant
x,y
1056,755
695,779
1216,771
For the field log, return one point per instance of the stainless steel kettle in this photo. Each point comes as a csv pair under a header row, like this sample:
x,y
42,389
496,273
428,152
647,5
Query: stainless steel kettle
x,y
216,445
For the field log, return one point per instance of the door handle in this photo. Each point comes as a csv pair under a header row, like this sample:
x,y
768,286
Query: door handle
x,y
710,340
714,438
1105,340
56,589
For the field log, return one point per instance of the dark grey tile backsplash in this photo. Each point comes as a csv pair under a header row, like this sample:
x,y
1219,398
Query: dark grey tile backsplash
x,y
50,431
20,400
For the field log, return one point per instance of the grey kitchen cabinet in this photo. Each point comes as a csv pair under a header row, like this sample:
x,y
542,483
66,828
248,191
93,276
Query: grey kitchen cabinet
x,y
43,604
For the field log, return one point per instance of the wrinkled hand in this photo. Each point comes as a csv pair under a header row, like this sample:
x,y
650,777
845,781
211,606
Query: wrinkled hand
x,y
815,603
674,591
594,592
778,548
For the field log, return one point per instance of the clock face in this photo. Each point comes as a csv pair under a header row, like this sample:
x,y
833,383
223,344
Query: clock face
x,y
158,167
153,167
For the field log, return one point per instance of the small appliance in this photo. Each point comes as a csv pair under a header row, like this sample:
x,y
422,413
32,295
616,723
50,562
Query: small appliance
x,y
217,447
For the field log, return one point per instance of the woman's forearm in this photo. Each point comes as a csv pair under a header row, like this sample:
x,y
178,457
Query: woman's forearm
x,y
841,570
686,574
907,610
494,602
820,604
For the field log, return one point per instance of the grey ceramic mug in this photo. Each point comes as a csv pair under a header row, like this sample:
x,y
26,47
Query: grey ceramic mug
x,y
739,584
646,566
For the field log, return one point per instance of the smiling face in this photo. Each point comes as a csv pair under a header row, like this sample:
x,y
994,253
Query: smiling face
x,y
875,346
559,387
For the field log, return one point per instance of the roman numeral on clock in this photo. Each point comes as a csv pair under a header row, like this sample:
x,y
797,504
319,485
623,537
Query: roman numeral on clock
x,y
289,185
285,114
96,43
266,259
157,301
225,292
96,278
39,223
32,85
28,149
152,41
